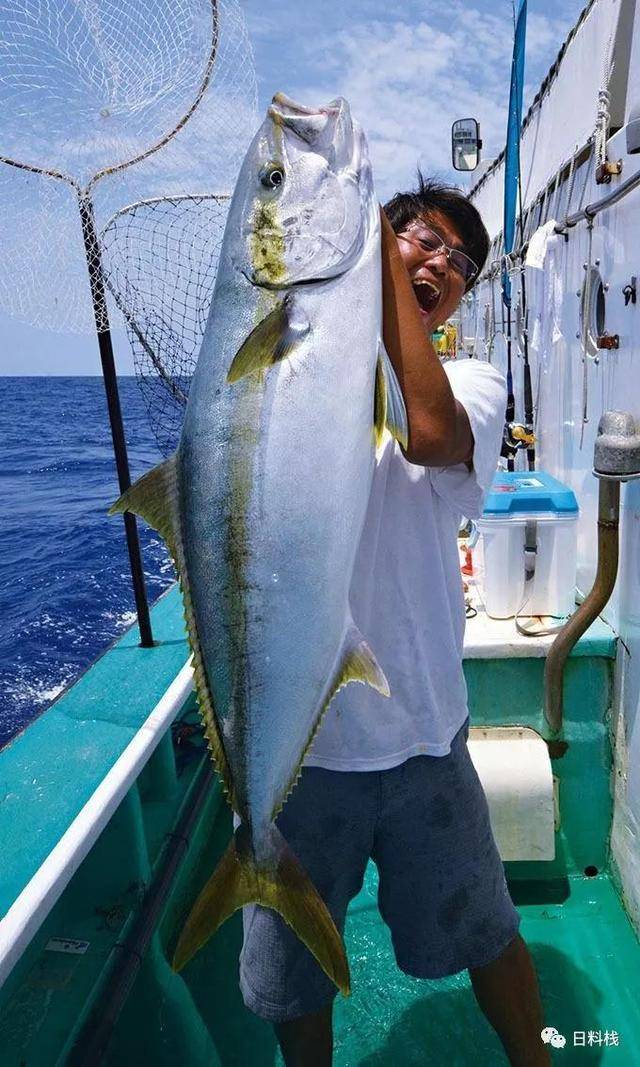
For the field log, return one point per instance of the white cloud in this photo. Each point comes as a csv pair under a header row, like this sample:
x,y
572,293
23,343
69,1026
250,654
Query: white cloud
x,y
408,79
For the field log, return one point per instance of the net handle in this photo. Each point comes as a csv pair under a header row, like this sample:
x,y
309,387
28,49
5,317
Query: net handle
x,y
33,169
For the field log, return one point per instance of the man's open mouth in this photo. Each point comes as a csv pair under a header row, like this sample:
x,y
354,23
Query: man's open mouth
x,y
427,295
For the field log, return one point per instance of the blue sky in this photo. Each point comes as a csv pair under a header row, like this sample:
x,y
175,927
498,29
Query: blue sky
x,y
408,71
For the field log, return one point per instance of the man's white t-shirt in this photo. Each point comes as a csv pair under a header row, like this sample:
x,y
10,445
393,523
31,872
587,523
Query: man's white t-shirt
x,y
407,597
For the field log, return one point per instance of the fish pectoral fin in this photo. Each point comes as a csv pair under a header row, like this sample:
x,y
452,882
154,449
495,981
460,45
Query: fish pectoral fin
x,y
275,338
154,497
379,404
360,665
280,884
389,406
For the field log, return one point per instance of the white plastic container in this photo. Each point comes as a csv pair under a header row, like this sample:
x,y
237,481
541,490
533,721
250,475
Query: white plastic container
x,y
515,499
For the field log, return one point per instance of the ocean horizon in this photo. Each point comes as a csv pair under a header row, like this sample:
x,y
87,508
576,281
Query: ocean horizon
x,y
65,585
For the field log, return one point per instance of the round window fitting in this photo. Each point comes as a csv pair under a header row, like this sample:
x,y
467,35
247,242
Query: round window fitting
x,y
593,310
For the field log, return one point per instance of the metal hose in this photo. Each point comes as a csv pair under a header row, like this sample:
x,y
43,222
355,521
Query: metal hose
x,y
605,580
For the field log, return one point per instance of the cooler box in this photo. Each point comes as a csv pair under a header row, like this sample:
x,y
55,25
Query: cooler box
x,y
516,498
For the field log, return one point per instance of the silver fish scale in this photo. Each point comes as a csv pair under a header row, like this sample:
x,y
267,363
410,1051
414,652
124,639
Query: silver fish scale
x,y
276,469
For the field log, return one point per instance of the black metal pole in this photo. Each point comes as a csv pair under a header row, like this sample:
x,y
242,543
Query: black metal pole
x,y
511,400
528,392
92,1042
96,281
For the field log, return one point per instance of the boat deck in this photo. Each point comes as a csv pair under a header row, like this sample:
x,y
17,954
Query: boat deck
x,y
582,940
586,955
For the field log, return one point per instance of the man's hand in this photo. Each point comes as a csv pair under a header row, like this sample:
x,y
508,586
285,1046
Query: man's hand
x,y
439,429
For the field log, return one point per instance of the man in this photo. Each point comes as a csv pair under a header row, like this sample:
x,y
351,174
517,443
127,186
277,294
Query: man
x,y
392,779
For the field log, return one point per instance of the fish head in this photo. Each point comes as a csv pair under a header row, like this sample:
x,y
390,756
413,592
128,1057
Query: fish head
x,y
309,203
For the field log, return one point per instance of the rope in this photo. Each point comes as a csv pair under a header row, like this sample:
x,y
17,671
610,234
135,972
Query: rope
x,y
571,179
586,309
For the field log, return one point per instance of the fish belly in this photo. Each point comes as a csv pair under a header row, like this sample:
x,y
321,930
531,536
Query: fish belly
x,y
273,526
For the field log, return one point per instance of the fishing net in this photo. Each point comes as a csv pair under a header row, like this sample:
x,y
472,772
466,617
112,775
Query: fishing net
x,y
160,259
104,103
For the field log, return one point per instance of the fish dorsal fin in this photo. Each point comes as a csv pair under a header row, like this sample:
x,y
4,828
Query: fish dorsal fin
x,y
356,663
155,498
273,339
389,406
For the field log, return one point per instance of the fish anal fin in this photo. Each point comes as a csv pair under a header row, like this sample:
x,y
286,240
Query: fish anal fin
x,y
273,339
379,404
356,663
279,883
360,665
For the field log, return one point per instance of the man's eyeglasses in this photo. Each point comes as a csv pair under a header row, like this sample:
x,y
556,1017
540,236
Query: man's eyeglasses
x,y
431,242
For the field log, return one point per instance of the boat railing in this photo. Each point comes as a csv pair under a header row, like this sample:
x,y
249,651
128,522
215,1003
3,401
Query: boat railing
x,y
32,906
535,213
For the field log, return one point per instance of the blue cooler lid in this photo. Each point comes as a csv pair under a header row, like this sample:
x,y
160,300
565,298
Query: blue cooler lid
x,y
528,491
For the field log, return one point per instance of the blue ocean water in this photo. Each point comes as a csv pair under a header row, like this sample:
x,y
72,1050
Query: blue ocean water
x,y
65,586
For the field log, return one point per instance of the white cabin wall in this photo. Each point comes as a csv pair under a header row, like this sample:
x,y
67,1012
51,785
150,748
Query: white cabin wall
x,y
619,384
565,117
632,96
565,443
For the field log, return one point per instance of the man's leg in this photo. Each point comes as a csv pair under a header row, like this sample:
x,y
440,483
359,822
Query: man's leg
x,y
507,991
307,1041
328,822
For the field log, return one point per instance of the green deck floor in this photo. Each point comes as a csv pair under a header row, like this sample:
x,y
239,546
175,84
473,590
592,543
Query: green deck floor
x,y
584,947
585,953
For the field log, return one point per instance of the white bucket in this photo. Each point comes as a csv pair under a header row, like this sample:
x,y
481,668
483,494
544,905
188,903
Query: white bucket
x,y
554,583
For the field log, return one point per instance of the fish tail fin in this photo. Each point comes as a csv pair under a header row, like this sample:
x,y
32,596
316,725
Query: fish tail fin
x,y
282,885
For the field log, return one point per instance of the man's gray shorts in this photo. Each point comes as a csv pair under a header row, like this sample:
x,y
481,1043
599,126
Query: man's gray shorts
x,y
442,891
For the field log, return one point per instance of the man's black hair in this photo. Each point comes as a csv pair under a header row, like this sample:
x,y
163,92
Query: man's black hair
x,y
431,195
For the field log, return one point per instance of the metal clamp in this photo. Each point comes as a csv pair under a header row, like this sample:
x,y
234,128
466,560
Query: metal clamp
x,y
608,170
608,341
629,292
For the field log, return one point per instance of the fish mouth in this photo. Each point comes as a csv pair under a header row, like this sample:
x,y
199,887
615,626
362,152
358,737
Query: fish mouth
x,y
427,294
263,283
281,100
283,110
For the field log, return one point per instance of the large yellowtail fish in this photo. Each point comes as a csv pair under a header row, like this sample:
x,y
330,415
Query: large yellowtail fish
x,y
263,503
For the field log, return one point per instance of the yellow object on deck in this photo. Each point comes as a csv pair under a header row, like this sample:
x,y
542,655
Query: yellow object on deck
x,y
445,340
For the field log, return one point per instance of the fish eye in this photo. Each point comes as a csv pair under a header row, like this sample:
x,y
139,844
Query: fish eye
x,y
272,176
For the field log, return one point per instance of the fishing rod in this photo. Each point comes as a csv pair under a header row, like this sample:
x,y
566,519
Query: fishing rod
x,y
516,435
529,441
508,448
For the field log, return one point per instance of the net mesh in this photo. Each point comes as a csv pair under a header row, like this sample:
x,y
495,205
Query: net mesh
x,y
116,100
160,258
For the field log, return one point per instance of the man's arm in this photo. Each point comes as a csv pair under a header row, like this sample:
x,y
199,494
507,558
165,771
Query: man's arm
x,y
439,430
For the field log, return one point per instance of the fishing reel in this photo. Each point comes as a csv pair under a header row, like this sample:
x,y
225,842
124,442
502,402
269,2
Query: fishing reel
x,y
516,436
